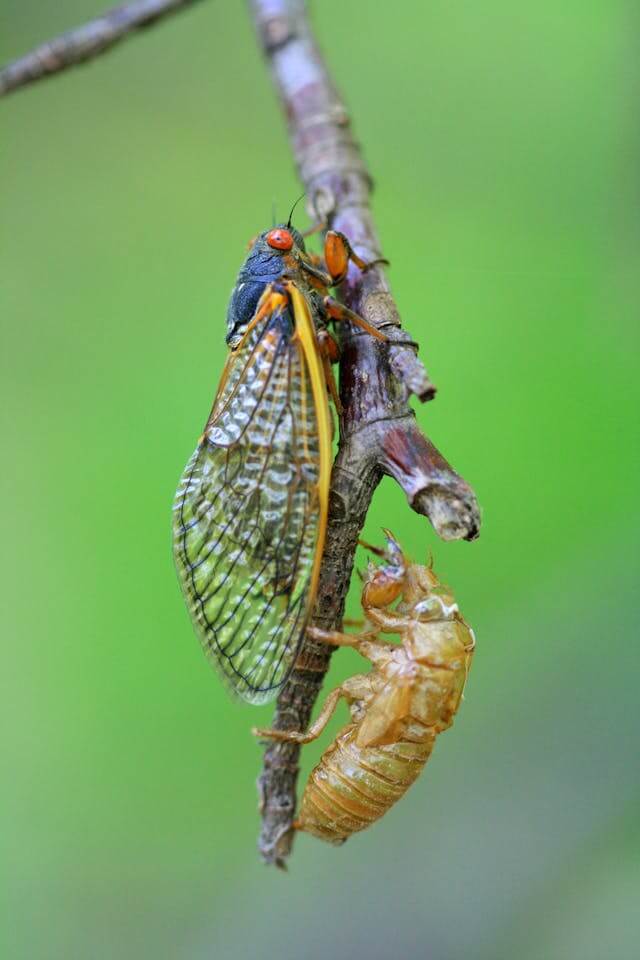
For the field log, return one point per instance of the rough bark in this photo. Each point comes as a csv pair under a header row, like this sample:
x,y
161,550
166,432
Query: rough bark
x,y
379,432
85,42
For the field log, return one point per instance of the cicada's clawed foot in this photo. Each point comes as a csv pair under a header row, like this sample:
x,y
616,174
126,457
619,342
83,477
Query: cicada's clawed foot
x,y
285,736
338,311
379,261
333,637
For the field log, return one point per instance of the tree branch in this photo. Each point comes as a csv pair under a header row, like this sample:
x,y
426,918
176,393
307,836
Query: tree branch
x,y
85,42
379,432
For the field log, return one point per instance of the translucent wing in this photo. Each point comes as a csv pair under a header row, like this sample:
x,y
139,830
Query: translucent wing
x,y
250,510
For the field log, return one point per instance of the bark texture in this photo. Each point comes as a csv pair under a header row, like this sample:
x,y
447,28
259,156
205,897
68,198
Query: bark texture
x,y
379,432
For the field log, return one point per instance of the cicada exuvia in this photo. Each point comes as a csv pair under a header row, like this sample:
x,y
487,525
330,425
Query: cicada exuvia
x,y
398,709
250,512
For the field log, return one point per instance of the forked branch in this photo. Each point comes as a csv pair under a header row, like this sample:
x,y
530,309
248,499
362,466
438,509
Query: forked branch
x,y
86,42
379,432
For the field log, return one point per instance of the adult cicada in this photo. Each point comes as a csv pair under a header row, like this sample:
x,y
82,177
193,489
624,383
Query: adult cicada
x,y
250,512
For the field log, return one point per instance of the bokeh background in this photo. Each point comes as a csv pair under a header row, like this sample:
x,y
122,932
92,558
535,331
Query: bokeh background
x,y
503,139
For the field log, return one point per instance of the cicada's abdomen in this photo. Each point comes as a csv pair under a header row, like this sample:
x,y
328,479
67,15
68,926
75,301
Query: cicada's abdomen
x,y
352,787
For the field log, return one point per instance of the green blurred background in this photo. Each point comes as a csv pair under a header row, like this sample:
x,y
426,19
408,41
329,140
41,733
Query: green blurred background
x,y
503,139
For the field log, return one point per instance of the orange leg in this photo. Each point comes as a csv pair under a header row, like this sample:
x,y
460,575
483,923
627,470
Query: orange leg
x,y
330,353
315,228
337,254
331,384
338,311
316,261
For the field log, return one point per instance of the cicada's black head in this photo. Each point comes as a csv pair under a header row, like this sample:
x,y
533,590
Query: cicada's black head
x,y
269,257
270,250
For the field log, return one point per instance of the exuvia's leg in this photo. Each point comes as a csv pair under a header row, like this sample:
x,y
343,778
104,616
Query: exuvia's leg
x,y
387,620
314,731
334,637
367,644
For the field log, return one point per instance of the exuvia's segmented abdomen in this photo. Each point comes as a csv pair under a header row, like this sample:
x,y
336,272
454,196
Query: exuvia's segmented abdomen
x,y
353,786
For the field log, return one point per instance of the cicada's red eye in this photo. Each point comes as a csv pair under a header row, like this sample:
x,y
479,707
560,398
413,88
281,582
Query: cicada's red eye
x,y
279,239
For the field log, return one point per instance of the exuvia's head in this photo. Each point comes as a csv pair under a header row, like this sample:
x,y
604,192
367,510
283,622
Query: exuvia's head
x,y
384,583
421,594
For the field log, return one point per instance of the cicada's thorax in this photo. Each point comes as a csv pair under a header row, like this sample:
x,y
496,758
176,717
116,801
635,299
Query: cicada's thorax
x,y
266,265
437,658
398,710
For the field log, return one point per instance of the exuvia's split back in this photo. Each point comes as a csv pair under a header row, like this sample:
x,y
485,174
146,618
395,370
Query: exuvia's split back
x,y
251,509
397,709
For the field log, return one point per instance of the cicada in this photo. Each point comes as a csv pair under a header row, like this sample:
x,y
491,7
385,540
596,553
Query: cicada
x,y
250,512
398,709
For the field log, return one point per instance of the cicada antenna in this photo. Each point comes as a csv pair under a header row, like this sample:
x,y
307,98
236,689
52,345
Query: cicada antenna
x,y
273,213
293,208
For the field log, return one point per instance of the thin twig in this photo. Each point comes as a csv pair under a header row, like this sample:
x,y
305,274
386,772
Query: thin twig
x,y
85,42
379,432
